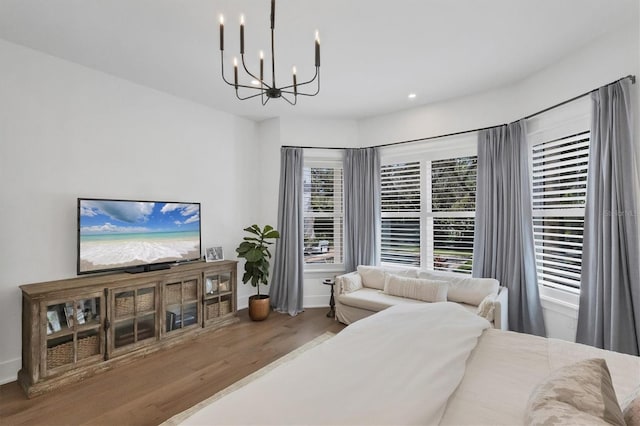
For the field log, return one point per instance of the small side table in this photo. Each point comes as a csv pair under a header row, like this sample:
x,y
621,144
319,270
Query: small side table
x,y
332,303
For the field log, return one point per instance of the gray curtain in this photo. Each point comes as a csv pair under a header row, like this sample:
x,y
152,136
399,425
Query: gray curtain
x,y
503,246
609,315
361,206
288,269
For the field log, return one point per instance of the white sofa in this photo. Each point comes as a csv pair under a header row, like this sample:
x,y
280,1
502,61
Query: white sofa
x,y
371,289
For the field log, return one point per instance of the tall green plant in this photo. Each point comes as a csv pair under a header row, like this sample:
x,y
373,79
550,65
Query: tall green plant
x,y
255,250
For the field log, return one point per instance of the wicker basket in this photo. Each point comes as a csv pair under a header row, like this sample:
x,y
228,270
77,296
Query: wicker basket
x,y
225,307
190,290
124,306
88,346
145,302
218,309
172,293
63,354
212,310
59,355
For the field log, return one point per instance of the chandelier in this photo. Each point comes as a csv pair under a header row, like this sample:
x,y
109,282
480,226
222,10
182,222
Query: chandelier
x,y
259,87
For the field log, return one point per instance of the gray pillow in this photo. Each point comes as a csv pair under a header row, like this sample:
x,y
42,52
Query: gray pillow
x,y
581,393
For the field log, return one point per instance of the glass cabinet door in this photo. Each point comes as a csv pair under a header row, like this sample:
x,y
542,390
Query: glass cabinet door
x,y
218,295
74,332
181,305
133,321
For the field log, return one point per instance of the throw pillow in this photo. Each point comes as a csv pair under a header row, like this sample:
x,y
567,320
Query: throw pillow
x,y
580,393
416,288
631,408
487,308
351,282
373,276
463,288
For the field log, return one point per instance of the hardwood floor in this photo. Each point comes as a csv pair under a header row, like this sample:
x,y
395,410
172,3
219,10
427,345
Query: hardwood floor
x,y
153,389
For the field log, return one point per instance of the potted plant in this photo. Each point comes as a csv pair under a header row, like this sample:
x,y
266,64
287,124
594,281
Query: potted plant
x,y
255,250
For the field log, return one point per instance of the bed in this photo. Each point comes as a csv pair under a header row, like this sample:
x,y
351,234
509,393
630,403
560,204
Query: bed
x,y
412,364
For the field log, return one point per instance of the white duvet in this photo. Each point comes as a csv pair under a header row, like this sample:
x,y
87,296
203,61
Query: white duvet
x,y
396,367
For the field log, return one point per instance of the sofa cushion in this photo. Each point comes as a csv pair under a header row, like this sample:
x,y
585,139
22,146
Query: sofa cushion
x,y
416,288
373,300
463,288
373,276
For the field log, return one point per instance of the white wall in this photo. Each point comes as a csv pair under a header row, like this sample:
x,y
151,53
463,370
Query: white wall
x,y
597,64
67,131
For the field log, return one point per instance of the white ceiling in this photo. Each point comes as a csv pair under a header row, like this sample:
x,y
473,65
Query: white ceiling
x,y
374,53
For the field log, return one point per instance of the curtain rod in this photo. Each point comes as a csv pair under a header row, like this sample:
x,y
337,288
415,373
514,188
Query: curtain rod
x,y
631,77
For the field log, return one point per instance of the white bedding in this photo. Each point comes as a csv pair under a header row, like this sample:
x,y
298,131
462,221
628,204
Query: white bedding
x,y
384,369
411,364
505,367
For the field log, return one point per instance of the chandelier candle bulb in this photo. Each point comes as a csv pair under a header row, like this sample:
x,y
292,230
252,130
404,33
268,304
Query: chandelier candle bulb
x,y
261,66
235,72
317,50
295,83
242,34
221,32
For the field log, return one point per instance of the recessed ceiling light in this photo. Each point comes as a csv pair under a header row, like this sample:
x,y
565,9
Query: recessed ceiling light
x,y
255,82
412,95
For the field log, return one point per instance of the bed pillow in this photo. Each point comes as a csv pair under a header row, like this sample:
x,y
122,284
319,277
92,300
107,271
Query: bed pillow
x,y
631,408
373,276
416,288
580,393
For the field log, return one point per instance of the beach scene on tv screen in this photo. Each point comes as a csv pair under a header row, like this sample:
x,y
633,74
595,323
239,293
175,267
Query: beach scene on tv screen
x,y
120,234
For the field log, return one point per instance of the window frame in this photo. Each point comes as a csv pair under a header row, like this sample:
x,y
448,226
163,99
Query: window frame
x,y
326,159
425,152
561,122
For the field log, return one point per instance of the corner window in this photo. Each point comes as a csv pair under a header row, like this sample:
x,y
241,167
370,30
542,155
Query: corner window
x,y
559,185
323,214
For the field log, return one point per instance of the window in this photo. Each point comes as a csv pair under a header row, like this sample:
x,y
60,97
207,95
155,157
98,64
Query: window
x,y
427,213
450,223
323,218
400,219
559,182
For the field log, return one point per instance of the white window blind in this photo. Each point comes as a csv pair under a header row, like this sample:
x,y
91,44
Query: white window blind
x,y
400,208
559,182
427,213
450,219
323,217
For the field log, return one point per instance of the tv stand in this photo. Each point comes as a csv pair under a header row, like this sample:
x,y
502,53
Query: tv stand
x,y
74,328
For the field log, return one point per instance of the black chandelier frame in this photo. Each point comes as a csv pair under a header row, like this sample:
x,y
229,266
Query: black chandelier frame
x,y
265,90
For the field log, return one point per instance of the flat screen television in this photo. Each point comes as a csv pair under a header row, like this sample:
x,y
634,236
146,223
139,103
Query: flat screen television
x,y
136,236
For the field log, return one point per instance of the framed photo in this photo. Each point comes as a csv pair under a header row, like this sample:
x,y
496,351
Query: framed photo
x,y
53,322
213,254
80,313
68,313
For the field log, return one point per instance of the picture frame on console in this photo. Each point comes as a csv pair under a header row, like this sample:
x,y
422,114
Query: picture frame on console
x,y
213,254
53,322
